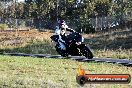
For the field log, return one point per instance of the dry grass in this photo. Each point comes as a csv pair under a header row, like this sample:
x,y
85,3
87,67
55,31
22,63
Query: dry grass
x,y
21,38
26,42
115,44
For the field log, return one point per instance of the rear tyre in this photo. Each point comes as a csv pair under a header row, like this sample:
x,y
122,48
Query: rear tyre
x,y
87,52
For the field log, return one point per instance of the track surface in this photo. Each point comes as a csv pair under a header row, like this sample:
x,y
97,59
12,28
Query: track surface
x,y
124,62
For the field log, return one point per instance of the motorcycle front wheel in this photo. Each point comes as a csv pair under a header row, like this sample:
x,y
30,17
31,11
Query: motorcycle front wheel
x,y
61,52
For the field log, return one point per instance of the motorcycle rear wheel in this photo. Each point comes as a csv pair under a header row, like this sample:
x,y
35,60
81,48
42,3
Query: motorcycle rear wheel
x,y
87,52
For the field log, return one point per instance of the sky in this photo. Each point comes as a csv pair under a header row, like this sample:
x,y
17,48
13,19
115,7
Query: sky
x,y
21,0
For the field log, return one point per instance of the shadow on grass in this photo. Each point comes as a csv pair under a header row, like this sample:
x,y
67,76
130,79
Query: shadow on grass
x,y
35,48
114,40
103,62
117,43
38,48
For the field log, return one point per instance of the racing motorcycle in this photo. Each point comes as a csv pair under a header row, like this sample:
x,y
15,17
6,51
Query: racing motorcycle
x,y
70,45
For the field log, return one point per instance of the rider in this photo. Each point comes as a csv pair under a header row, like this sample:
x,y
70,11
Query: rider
x,y
62,29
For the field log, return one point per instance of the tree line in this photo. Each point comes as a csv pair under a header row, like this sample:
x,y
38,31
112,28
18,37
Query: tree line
x,y
78,10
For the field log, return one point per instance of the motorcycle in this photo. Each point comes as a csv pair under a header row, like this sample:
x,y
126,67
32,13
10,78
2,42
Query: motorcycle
x,y
70,45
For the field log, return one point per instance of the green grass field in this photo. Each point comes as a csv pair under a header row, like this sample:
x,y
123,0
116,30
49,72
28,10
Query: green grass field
x,y
28,72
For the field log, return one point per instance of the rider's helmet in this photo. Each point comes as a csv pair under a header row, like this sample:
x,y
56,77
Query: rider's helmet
x,y
62,22
62,25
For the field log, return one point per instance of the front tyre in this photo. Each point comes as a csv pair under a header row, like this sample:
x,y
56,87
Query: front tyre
x,y
61,52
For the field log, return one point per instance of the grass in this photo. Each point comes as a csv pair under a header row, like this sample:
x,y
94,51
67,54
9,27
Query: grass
x,y
114,44
3,26
120,54
111,44
28,72
26,42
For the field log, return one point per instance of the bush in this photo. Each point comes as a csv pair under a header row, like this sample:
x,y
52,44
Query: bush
x,y
3,26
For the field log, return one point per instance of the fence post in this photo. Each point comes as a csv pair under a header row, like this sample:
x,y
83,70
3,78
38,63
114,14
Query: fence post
x,y
96,23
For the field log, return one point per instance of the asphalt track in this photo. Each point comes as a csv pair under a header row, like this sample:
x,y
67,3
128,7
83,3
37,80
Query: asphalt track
x,y
124,62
